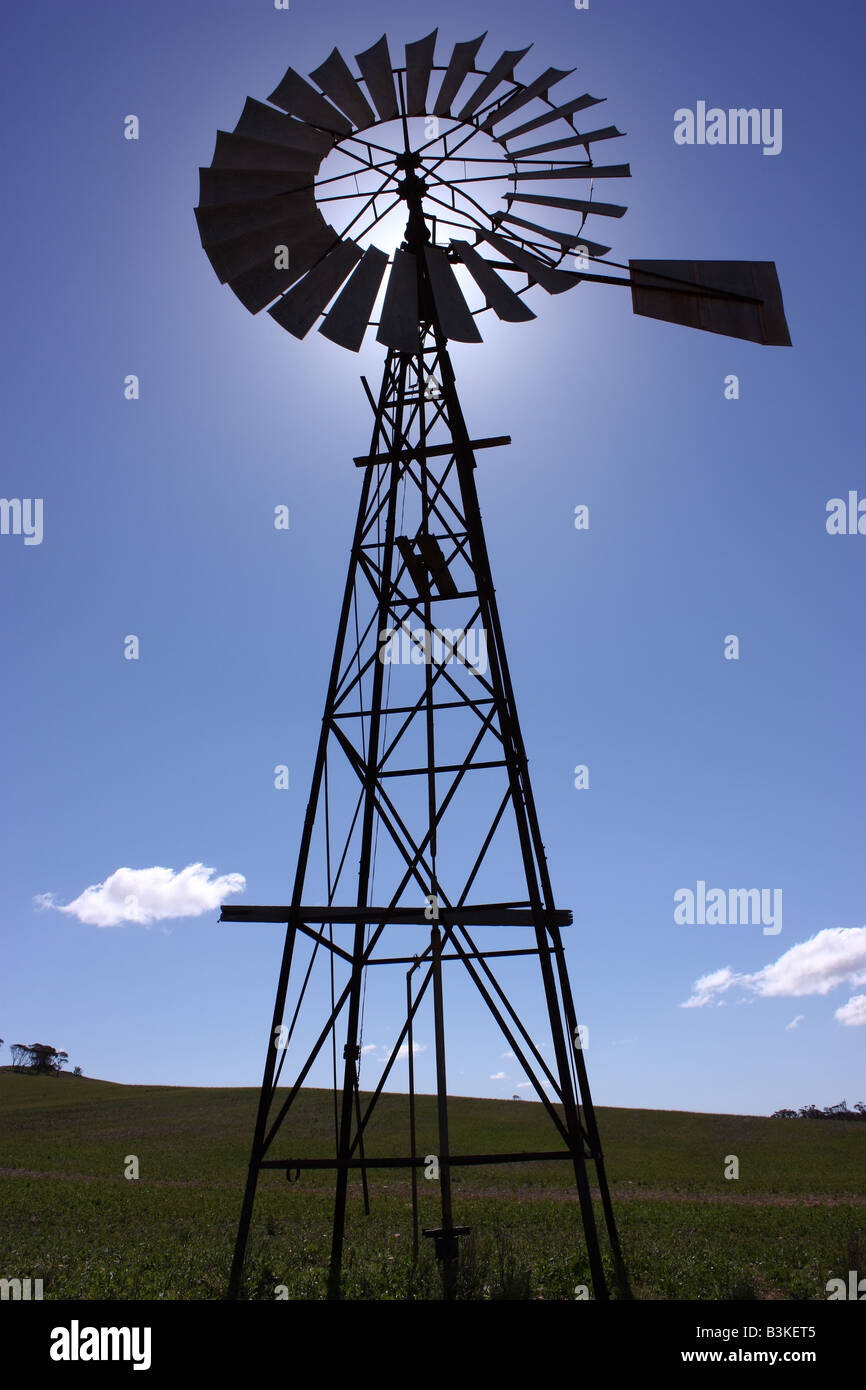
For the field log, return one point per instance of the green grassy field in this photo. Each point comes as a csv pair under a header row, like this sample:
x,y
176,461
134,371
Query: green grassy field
x,y
794,1218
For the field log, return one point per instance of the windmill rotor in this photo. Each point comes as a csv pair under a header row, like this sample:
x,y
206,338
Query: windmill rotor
x,y
289,236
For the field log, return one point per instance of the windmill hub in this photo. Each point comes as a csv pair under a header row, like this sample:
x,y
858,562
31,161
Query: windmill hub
x,y
412,188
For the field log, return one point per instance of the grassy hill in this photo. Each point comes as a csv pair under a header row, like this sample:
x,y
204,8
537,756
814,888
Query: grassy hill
x,y
794,1218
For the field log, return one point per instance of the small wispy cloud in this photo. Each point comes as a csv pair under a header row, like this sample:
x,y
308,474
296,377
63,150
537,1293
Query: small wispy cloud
x,y
708,986
416,1047
795,1022
148,895
853,1014
497,1076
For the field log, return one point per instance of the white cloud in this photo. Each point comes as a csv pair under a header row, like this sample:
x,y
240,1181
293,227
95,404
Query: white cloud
x,y
708,986
815,966
416,1047
509,1056
795,1022
853,1014
522,1085
497,1076
148,895
368,1047
832,957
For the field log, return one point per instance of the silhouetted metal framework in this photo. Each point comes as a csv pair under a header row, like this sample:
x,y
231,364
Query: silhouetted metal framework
x,y
420,782
403,577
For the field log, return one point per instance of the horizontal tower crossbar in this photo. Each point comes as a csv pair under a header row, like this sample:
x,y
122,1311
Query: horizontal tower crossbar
x,y
431,451
454,1160
488,915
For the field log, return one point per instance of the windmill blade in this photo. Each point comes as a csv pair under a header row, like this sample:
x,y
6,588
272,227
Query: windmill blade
x,y
566,240
262,283
237,152
300,99
461,63
259,287
419,65
348,317
539,87
500,297
578,104
572,204
231,258
578,171
398,325
336,81
298,310
609,132
375,65
261,122
554,281
219,186
502,70
668,298
231,220
454,313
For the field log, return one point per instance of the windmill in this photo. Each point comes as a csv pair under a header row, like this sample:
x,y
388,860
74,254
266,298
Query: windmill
x,y
421,829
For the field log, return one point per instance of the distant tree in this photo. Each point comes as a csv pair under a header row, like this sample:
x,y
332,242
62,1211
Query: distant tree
x,y
830,1112
38,1057
76,1071
44,1059
838,1112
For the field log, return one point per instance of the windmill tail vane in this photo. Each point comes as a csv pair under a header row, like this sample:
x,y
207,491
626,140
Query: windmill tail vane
x,y
421,851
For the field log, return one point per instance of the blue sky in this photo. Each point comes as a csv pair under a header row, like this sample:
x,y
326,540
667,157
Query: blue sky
x,y
707,518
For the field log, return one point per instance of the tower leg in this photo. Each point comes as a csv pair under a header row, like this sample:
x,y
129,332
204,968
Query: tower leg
x,y
532,849
449,1259
345,1138
370,790
572,1121
265,1096
621,1274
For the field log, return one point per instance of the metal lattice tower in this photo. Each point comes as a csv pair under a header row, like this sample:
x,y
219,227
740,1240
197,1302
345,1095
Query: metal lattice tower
x,y
421,830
